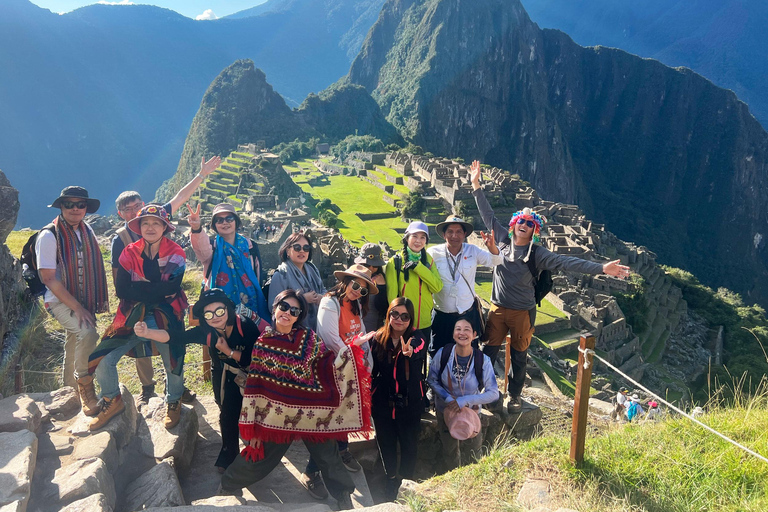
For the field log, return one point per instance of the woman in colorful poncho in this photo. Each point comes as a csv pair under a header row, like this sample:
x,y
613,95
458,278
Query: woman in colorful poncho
x,y
230,261
298,389
148,284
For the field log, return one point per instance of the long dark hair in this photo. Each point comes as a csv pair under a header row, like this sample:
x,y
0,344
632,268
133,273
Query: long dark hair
x,y
384,334
291,293
339,291
292,239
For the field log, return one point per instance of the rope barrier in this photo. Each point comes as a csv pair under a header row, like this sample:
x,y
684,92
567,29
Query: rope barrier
x,y
671,406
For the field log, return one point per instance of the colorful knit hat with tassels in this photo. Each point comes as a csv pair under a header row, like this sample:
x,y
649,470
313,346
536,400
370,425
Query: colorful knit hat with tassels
x,y
528,214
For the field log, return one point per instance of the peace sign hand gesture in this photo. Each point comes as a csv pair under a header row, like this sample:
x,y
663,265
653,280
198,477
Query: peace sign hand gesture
x,y
194,217
406,347
490,242
475,173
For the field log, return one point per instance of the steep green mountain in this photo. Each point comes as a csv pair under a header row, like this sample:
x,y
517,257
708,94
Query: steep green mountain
x,y
241,107
104,96
725,41
661,155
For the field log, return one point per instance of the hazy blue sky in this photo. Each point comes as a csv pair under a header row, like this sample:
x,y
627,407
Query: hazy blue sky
x,y
190,8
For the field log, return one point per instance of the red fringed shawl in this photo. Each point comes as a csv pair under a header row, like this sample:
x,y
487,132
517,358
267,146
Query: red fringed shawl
x,y
297,388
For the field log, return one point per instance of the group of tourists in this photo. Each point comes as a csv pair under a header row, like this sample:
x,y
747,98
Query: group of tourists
x,y
292,360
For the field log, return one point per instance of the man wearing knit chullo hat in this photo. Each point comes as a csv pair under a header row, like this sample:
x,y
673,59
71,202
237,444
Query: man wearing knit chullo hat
x,y
513,308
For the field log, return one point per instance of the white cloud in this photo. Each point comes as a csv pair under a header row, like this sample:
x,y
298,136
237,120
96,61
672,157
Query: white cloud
x,y
207,15
121,2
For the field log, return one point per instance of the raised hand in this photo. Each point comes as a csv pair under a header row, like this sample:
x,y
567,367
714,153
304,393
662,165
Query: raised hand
x,y
208,167
406,347
490,241
613,268
194,217
475,174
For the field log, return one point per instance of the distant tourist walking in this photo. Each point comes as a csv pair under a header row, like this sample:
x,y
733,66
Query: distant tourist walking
x,y
370,256
513,305
457,263
293,393
71,268
634,409
128,205
462,379
297,272
230,261
148,285
620,405
399,351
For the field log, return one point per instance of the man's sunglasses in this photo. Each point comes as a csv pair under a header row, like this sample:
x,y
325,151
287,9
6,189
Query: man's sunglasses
x,y
357,287
80,205
293,310
528,223
218,312
228,218
299,247
405,317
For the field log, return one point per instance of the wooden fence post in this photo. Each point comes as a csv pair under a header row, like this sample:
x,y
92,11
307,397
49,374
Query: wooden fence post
x,y
581,400
18,379
206,364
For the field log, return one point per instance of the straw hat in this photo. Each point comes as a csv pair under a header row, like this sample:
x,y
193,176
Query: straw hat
x,y
358,271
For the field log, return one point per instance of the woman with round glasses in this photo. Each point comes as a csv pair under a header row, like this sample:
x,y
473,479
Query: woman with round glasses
x,y
299,389
397,381
230,261
297,272
229,338
339,323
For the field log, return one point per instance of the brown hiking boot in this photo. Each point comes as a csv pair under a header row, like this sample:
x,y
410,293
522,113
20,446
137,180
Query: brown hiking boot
x,y
87,392
172,415
110,407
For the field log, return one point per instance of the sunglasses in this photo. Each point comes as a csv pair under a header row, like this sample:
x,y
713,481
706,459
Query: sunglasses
x,y
357,287
528,223
299,247
80,205
218,312
222,220
405,317
293,310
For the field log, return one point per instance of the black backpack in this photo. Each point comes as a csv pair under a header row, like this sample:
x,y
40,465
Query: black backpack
x,y
478,356
542,281
29,258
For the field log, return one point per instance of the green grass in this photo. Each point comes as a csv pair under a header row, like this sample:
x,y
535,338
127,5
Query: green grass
x,y
667,466
16,241
559,338
548,313
565,386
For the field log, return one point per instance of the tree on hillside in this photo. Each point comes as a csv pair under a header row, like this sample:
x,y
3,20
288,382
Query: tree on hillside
x,y
352,143
413,205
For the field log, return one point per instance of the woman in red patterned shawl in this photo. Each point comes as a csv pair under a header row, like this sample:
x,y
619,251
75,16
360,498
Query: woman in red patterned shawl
x,y
299,389
148,284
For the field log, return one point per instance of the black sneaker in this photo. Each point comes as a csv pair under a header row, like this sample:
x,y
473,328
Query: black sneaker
x,y
314,485
147,392
349,461
344,502
515,405
188,396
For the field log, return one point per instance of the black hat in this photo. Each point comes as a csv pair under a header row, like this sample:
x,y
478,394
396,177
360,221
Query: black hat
x,y
211,296
370,254
76,193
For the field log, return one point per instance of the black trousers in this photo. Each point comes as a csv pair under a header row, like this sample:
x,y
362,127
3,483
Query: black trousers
x,y
442,329
242,473
229,414
390,432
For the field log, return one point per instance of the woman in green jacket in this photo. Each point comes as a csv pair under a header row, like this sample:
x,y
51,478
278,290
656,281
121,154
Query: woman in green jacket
x,y
412,273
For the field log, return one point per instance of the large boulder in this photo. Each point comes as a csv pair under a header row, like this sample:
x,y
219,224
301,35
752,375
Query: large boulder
x,y
13,289
524,423
158,487
122,427
18,453
62,403
9,207
54,445
161,443
100,446
19,412
82,479
93,503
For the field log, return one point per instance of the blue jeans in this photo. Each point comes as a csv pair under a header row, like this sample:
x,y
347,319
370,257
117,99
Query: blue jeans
x,y
106,372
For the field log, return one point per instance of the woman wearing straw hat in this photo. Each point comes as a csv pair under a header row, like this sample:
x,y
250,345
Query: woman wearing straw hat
x,y
148,284
230,261
340,323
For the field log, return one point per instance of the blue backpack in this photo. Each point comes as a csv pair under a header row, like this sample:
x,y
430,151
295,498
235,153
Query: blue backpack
x,y
632,411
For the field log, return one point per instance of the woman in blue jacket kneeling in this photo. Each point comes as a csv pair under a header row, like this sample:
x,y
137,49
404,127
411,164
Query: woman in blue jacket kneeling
x,y
462,379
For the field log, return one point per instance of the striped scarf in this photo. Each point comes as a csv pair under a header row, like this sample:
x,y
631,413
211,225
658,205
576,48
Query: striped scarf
x,y
87,282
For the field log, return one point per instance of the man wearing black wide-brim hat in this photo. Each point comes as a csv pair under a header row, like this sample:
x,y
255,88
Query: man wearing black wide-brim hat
x,y
70,266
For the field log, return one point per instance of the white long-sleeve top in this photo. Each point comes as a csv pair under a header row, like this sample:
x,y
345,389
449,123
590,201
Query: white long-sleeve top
x,y
458,295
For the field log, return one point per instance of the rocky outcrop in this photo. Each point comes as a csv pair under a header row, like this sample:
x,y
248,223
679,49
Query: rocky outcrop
x,y
13,289
19,412
625,138
18,453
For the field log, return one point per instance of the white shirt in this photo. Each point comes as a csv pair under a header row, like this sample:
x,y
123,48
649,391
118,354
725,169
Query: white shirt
x,y
456,295
621,399
45,248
